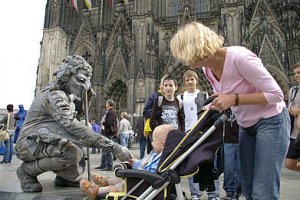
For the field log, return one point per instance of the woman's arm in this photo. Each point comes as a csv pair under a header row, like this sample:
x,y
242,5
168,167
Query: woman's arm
x,y
225,101
252,69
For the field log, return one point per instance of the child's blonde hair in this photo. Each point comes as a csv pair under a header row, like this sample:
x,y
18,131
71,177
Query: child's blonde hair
x,y
194,42
161,132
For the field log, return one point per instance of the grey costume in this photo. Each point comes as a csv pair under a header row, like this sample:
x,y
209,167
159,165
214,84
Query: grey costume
x,y
51,141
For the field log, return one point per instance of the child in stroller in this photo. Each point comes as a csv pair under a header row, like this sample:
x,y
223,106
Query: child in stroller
x,y
103,185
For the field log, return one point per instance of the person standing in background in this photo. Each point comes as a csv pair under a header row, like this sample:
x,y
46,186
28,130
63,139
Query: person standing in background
x,y
192,100
147,114
9,119
110,124
124,129
232,172
141,137
168,109
294,109
97,129
20,118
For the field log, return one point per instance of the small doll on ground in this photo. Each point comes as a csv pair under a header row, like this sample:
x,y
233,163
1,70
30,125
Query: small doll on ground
x,y
105,184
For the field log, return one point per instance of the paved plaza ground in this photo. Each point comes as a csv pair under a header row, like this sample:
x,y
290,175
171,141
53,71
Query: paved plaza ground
x,y
10,187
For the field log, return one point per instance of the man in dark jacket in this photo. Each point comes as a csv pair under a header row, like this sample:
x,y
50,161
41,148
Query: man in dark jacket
x,y
110,124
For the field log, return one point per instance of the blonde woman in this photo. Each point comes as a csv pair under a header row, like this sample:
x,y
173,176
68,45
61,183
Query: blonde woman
x,y
241,82
124,129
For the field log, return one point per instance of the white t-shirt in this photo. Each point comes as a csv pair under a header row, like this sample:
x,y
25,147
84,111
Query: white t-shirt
x,y
190,109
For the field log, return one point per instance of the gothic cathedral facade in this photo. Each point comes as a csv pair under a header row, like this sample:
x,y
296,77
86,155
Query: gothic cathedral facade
x,y
127,42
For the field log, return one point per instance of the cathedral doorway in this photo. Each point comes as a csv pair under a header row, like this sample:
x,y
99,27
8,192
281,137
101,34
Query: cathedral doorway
x,y
117,90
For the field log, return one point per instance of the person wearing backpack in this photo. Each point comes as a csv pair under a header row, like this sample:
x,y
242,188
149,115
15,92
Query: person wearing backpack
x,y
147,114
168,109
110,123
293,156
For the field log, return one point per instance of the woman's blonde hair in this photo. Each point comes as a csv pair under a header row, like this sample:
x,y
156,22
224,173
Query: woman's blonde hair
x,y
194,42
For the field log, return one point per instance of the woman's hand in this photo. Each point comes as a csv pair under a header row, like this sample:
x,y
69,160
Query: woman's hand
x,y
294,112
222,101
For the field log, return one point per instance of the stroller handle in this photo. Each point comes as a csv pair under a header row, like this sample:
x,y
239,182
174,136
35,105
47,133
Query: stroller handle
x,y
209,100
222,118
226,112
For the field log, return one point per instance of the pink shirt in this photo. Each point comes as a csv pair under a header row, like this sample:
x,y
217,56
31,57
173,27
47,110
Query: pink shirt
x,y
244,73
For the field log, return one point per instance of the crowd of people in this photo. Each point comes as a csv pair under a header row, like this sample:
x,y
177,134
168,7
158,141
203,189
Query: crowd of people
x,y
259,138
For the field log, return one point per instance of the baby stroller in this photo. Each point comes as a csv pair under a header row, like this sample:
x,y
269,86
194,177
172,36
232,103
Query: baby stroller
x,y
181,156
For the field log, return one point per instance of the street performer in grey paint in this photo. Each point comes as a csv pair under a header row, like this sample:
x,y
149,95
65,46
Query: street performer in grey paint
x,y
52,138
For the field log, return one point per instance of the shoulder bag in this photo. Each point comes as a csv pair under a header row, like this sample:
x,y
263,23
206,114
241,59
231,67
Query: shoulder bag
x,y
2,149
4,133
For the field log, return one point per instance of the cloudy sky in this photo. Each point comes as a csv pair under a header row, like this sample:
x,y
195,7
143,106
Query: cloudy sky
x,y
21,32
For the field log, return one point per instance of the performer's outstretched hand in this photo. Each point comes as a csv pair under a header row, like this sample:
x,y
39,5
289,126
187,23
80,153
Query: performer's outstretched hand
x,y
121,152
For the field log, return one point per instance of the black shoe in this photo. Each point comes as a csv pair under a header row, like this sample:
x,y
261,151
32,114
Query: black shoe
x,y
60,182
106,169
297,143
99,167
114,158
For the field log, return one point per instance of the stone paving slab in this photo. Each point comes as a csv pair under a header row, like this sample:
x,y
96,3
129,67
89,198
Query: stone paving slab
x,y
10,186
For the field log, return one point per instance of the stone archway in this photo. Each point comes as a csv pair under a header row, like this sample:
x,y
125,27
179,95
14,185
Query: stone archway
x,y
281,79
117,90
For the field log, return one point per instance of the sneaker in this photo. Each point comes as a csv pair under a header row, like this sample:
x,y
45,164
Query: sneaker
x,y
229,197
242,198
195,197
214,198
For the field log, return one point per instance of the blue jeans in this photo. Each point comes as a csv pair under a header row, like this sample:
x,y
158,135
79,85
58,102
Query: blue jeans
x,y
143,143
195,190
232,172
9,149
124,136
263,147
107,157
106,160
194,187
